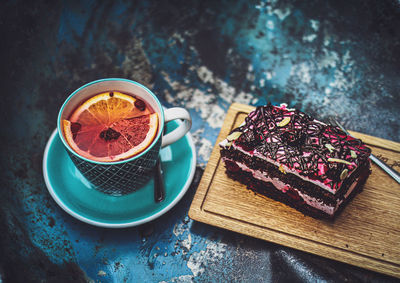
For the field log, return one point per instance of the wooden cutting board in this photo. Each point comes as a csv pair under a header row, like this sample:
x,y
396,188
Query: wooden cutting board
x,y
365,234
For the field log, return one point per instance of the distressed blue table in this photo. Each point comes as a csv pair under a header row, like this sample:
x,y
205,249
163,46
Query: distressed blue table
x,y
324,57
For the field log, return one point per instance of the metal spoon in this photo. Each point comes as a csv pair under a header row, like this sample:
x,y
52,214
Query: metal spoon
x,y
159,188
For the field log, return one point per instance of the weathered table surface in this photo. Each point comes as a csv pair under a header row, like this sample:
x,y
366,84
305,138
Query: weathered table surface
x,y
331,58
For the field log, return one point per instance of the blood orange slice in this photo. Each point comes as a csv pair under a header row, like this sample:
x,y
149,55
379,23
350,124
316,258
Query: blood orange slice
x,y
111,126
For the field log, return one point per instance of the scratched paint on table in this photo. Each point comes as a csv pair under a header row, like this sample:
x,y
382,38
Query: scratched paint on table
x,y
201,55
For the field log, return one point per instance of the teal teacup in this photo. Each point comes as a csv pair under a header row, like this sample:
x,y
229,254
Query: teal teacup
x,y
124,176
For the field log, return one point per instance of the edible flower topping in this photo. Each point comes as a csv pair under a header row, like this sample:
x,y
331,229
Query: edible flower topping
x,y
329,147
284,122
234,136
344,174
339,160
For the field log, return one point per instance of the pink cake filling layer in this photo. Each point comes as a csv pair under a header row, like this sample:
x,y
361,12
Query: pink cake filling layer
x,y
285,168
281,186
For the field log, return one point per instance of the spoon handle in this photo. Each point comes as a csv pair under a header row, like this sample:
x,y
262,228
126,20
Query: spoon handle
x,y
393,173
159,189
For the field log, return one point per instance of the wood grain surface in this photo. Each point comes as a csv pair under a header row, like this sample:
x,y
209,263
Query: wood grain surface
x,y
365,234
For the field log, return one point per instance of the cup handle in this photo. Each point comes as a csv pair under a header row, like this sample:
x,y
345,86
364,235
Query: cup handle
x,y
173,114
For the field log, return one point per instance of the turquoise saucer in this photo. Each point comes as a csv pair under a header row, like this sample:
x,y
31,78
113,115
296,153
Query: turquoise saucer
x,y
73,193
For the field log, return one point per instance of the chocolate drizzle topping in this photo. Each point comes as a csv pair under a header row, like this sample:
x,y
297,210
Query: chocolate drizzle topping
x,y
300,144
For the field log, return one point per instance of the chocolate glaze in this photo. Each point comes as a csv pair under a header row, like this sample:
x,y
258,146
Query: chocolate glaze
x,y
301,143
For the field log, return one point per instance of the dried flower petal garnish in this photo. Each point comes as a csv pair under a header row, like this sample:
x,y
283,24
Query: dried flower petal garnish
x,y
282,169
285,106
339,160
284,122
234,136
344,174
329,147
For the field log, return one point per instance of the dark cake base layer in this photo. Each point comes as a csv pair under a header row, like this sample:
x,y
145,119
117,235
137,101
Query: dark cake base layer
x,y
306,187
291,197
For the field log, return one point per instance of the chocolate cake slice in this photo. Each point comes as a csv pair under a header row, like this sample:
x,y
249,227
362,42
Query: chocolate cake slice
x,y
287,155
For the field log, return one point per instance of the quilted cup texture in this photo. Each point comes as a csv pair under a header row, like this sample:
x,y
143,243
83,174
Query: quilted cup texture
x,y
122,178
